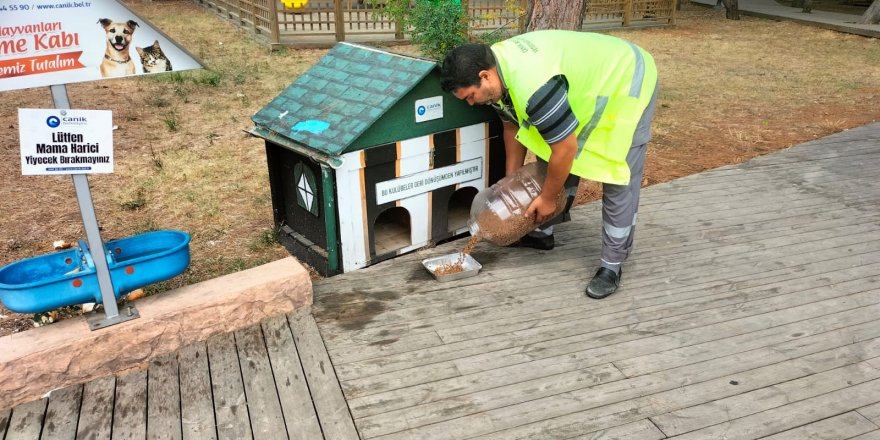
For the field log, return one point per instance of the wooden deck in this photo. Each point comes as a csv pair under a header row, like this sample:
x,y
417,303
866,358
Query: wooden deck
x,y
271,381
749,309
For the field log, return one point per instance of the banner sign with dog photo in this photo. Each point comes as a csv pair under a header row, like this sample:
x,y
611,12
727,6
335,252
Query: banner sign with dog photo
x,y
51,42
65,141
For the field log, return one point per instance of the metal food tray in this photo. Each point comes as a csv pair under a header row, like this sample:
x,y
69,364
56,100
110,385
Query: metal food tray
x,y
470,265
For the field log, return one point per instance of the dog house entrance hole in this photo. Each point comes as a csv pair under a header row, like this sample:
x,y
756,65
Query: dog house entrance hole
x,y
459,209
392,230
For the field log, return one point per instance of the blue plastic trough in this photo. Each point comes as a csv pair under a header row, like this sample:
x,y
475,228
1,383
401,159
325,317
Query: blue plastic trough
x,y
47,282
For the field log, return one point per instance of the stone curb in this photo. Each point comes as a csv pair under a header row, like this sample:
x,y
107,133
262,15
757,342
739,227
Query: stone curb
x,y
37,361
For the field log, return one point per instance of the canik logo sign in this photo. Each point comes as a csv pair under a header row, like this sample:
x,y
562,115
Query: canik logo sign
x,y
422,109
53,121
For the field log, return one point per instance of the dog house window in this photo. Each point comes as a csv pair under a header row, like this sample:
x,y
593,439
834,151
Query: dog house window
x,y
392,230
305,188
459,209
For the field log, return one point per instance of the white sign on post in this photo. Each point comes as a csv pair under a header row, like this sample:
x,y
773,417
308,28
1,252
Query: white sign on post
x,y
65,141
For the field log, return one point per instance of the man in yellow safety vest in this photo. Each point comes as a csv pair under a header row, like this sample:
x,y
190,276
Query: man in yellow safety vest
x,y
582,103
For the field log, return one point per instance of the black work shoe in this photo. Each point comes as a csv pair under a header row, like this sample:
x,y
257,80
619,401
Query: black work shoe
x,y
604,283
544,243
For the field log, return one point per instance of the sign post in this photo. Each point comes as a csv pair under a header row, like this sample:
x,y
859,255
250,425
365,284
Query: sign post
x,y
51,43
93,235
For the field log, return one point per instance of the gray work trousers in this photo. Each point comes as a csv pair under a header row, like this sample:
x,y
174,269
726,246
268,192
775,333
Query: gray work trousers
x,y
620,203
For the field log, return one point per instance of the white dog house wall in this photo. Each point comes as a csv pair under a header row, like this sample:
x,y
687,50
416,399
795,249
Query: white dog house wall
x,y
369,159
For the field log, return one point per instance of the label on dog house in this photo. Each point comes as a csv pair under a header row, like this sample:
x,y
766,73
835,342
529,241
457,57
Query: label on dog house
x,y
358,173
49,42
65,141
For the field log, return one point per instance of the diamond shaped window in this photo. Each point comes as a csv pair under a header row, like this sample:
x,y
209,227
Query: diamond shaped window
x,y
305,188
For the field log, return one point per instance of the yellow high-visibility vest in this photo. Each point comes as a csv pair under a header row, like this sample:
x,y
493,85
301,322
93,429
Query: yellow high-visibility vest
x,y
610,83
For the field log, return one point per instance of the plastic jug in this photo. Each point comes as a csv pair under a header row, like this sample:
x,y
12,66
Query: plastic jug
x,y
498,212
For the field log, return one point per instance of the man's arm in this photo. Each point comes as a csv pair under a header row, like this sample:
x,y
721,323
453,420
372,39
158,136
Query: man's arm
x,y
558,169
551,114
514,152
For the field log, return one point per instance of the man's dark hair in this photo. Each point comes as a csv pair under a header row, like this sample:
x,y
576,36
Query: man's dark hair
x,y
462,65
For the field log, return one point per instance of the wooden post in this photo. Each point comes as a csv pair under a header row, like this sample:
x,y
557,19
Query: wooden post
x,y
627,12
338,20
675,5
398,30
275,37
466,19
254,17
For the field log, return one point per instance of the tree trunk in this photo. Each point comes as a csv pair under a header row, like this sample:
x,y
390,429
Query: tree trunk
x,y
732,7
872,15
556,14
808,6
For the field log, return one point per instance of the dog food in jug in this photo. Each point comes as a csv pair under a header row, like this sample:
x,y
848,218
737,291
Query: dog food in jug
x,y
498,212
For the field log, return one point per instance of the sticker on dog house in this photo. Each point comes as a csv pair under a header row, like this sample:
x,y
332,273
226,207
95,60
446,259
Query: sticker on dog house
x,y
48,42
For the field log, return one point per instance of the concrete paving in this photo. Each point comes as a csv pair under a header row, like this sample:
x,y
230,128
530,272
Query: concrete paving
x,y
772,10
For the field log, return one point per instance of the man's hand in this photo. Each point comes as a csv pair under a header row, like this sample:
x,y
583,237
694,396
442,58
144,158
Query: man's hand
x,y
541,209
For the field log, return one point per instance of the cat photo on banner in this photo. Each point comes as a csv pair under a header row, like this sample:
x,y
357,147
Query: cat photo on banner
x,y
153,60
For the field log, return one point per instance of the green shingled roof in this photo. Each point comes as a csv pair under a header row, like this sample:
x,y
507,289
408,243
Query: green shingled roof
x,y
337,99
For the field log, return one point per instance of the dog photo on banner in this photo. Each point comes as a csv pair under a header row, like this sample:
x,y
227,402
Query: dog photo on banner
x,y
51,42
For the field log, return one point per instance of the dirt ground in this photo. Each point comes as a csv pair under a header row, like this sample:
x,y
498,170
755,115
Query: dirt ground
x,y
730,91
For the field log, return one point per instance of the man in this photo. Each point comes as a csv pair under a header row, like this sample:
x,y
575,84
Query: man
x,y
583,103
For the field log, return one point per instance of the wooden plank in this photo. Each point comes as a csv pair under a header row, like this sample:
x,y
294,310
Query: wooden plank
x,y
618,402
460,325
680,306
576,343
230,403
62,414
163,393
792,415
130,408
96,415
196,403
455,406
735,340
640,430
330,404
296,401
26,420
479,354
646,404
842,426
403,397
872,412
264,407
722,410
734,261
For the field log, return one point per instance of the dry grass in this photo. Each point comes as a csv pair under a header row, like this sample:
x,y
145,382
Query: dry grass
x,y
730,91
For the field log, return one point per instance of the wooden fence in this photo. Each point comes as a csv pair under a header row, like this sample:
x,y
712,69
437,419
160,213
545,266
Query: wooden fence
x,y
321,23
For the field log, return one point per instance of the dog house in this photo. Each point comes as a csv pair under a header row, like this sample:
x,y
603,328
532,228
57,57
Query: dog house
x,y
369,159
